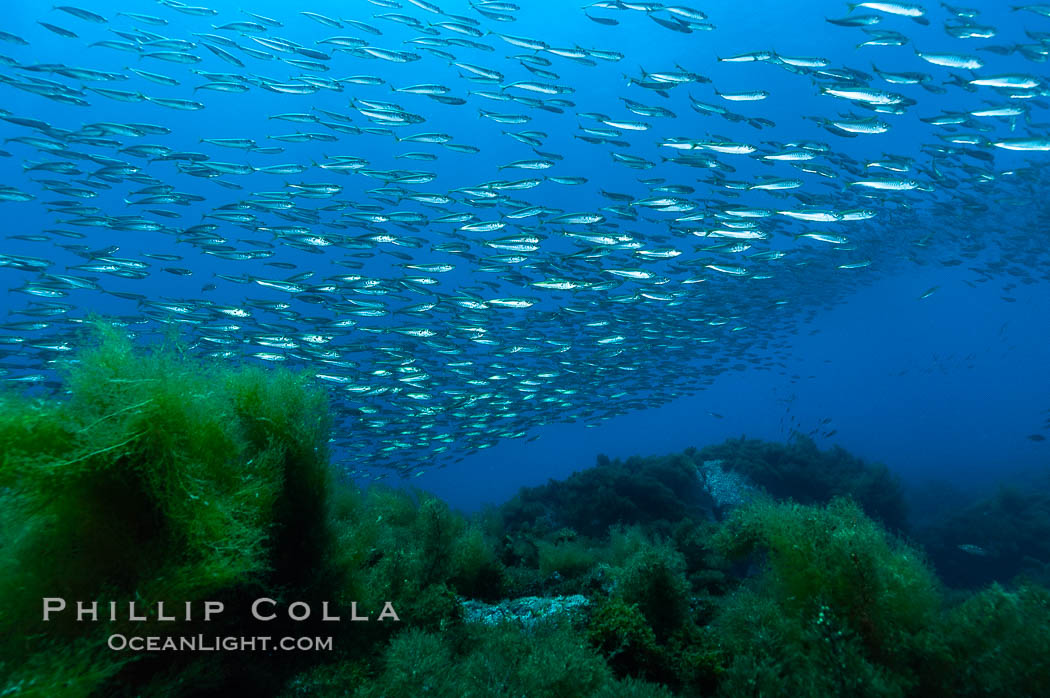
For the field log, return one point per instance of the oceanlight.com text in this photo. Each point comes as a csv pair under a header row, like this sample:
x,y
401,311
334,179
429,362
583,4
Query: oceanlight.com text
x,y
211,643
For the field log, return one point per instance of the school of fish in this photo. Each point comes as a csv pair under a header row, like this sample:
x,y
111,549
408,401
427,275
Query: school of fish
x,y
466,232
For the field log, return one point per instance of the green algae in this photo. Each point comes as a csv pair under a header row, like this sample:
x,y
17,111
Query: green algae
x,y
156,476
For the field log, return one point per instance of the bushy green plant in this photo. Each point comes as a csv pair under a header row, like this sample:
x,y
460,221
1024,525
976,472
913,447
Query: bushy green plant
x,y
651,491
654,579
998,642
388,538
416,663
157,478
688,661
694,660
476,572
633,688
498,662
551,660
570,558
836,558
842,607
622,634
771,652
338,679
705,567
410,549
625,542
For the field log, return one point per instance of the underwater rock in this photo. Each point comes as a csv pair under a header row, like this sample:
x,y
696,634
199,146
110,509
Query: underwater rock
x,y
526,611
800,471
653,492
728,488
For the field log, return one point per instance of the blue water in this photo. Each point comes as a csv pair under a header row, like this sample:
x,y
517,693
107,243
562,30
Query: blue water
x,y
949,386
894,377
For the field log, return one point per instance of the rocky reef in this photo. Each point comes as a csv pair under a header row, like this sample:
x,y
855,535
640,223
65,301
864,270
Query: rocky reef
x,y
740,569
